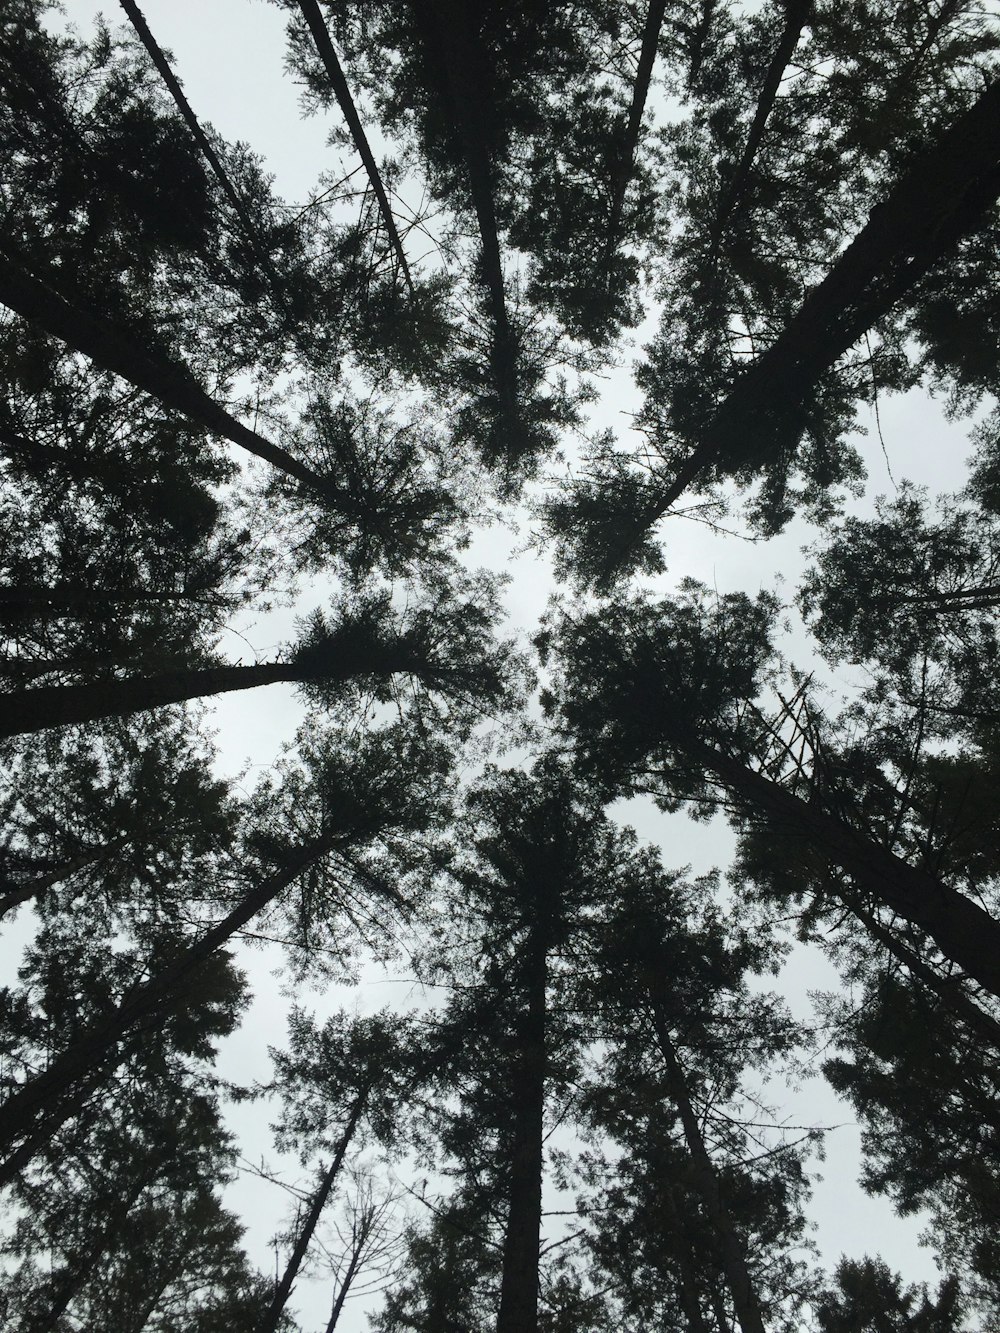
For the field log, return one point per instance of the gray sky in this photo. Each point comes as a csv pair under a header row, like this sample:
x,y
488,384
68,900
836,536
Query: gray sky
x,y
230,55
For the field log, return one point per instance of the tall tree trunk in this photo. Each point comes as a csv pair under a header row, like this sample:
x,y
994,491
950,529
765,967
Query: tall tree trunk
x,y
117,350
25,602
272,1315
796,13
250,230
314,20
640,91
734,1262
519,1279
344,1288
941,199
960,928
34,888
65,705
85,1264
464,62
35,1111
949,992
690,1302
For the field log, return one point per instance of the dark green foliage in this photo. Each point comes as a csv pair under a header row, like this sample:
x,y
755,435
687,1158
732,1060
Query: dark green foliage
x,y
871,1297
218,405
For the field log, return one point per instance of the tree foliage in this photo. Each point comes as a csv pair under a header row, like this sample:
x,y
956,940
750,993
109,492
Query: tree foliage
x,y
248,440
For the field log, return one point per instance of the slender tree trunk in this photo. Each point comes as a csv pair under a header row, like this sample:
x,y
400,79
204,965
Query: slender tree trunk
x,y
640,91
796,14
519,1279
40,602
34,888
237,204
314,20
939,200
741,1286
464,62
272,1315
690,1302
345,1287
960,928
35,1111
948,992
117,350
84,1265
65,705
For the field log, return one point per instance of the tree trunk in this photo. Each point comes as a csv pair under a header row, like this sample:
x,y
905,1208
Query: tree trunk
x,y
690,1302
959,927
519,1280
39,1106
34,888
734,1262
27,602
117,350
796,13
84,1266
66,705
640,91
251,232
938,201
314,19
284,1289
464,64
949,992
345,1286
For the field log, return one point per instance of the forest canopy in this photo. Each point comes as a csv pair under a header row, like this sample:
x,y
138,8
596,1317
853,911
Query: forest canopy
x,y
569,281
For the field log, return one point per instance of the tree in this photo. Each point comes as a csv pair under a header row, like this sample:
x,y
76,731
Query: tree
x,y
218,403
871,1296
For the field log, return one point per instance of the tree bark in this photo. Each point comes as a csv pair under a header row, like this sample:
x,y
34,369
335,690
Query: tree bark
x,y
640,91
948,992
117,350
272,1315
66,705
35,1111
796,13
938,201
314,19
519,1280
738,1279
464,64
158,58
959,927
34,888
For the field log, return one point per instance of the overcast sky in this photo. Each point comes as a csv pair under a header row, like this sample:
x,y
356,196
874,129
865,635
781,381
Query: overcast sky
x,y
229,55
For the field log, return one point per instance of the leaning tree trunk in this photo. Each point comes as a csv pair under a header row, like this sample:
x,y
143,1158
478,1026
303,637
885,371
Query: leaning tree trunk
x,y
155,373
464,60
796,13
314,20
66,705
734,1261
159,59
36,1110
67,1284
947,990
34,888
640,91
272,1315
942,198
519,1279
960,928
